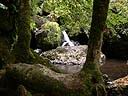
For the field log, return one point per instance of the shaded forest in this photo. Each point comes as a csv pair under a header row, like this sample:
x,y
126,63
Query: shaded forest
x,y
63,48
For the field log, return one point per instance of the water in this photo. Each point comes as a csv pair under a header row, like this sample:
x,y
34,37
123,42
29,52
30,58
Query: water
x,y
67,41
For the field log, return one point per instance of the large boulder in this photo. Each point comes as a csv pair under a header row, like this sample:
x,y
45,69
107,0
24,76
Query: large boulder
x,y
49,36
69,59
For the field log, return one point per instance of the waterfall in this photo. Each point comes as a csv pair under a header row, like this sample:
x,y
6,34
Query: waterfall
x,y
66,39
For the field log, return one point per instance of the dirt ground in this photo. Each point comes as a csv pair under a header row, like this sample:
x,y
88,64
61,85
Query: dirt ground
x,y
115,68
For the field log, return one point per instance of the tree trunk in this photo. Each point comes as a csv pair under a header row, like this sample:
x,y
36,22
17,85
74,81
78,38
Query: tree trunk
x,y
22,50
100,9
15,34
91,67
41,79
16,28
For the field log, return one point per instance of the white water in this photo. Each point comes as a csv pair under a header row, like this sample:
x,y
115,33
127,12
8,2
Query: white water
x,y
66,39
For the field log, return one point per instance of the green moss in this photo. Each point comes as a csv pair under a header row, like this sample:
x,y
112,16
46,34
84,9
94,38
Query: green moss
x,y
41,79
21,51
73,14
54,32
93,81
51,36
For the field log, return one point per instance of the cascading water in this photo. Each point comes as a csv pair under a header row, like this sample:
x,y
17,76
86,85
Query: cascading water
x,y
67,41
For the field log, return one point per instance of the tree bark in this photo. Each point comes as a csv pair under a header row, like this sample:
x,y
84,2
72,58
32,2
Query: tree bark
x,y
23,21
100,9
41,79
15,29
91,66
15,34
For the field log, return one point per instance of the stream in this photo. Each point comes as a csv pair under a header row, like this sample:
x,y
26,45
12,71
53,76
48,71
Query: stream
x,y
115,68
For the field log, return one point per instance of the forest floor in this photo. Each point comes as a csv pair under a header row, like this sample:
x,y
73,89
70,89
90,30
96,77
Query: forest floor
x,y
115,68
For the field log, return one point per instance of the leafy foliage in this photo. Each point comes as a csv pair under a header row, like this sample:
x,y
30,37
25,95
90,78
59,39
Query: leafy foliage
x,y
118,20
118,13
34,6
122,31
74,14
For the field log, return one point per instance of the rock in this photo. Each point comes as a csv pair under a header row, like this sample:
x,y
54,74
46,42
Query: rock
x,y
39,20
49,36
118,87
69,59
121,82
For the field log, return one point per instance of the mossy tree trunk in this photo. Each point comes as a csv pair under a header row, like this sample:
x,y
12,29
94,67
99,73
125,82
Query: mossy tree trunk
x,y
99,16
17,15
39,78
15,34
91,67
21,51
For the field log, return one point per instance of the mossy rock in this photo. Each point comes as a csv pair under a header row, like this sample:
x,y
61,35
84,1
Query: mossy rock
x,y
39,20
50,37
